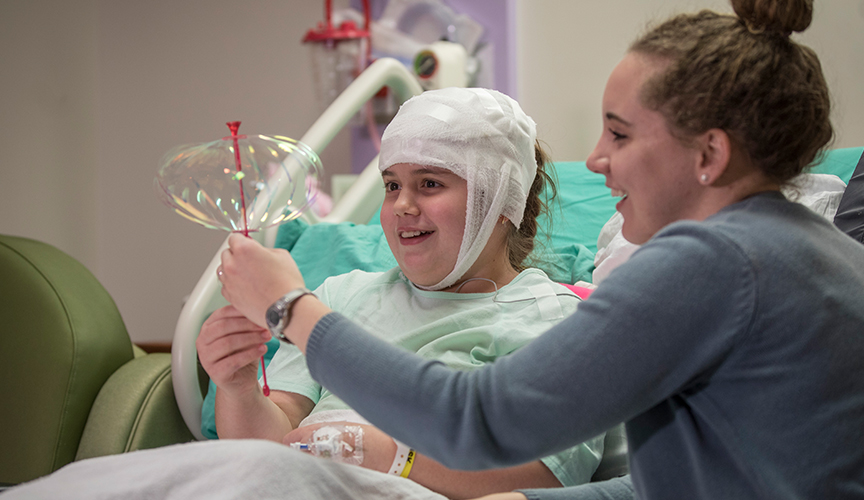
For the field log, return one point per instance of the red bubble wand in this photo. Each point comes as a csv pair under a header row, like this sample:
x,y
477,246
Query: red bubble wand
x,y
234,127
197,182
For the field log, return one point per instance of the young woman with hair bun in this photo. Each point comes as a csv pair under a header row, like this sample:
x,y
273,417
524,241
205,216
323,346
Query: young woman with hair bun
x,y
731,342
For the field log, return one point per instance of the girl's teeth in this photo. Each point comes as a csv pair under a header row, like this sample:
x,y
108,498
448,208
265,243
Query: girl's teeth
x,y
411,234
617,193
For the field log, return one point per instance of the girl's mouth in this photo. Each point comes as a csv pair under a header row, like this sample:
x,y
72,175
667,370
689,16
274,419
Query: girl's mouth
x,y
412,234
413,237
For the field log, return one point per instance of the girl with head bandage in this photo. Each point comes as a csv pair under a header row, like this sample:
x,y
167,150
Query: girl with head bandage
x,y
463,179
485,139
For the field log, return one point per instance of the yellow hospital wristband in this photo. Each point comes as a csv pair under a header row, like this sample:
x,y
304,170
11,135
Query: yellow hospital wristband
x,y
409,462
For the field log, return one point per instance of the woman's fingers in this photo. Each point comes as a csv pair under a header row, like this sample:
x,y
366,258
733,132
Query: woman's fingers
x,y
253,277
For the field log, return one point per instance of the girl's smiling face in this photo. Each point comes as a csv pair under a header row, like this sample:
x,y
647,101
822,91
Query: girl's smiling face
x,y
643,162
423,217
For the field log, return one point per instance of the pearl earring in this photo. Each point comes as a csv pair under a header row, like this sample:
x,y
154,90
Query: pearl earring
x,y
704,178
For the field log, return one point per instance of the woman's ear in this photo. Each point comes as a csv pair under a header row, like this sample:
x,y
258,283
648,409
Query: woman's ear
x,y
715,147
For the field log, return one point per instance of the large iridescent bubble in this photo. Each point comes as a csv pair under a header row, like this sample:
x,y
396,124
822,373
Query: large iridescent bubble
x,y
240,183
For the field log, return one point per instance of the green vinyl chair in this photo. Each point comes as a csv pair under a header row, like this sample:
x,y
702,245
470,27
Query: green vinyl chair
x,y
72,385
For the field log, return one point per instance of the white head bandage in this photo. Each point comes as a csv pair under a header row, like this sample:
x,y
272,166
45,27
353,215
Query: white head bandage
x,y
481,135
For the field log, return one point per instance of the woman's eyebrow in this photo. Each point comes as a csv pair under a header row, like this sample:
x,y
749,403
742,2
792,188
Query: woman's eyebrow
x,y
614,117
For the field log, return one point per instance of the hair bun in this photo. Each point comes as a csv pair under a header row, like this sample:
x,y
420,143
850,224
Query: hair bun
x,y
783,16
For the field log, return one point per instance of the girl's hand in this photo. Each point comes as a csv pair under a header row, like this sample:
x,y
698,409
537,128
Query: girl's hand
x,y
254,277
229,347
379,449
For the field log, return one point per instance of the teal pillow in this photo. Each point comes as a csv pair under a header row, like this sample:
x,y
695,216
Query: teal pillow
x,y
840,162
587,203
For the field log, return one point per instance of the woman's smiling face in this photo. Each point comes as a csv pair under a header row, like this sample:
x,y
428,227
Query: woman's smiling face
x,y
423,217
643,162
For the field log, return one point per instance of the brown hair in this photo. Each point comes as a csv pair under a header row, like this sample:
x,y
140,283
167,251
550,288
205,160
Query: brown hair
x,y
520,242
743,75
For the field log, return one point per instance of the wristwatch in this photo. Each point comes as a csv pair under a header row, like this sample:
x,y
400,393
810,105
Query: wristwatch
x,y
279,314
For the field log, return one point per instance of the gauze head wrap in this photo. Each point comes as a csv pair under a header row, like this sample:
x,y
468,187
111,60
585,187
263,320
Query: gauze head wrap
x,y
481,135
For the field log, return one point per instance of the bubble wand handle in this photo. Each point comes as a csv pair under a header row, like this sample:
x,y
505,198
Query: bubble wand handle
x,y
234,127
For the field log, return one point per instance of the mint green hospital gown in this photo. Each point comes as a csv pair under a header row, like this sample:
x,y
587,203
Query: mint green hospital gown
x,y
463,330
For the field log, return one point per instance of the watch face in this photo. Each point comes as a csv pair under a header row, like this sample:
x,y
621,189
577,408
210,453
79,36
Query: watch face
x,y
273,317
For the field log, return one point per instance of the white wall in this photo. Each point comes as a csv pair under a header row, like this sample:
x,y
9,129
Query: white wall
x,y
48,73
94,92
567,48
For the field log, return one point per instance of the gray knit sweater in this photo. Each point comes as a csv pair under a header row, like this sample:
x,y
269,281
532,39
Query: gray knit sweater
x,y
733,349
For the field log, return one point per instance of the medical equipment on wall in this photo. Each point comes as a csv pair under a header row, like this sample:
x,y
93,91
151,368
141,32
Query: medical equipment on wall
x,y
441,65
358,205
337,53
428,37
437,43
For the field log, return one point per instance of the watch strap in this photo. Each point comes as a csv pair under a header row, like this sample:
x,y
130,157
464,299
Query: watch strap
x,y
284,305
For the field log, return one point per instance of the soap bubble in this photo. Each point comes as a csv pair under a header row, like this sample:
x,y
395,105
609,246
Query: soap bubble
x,y
275,182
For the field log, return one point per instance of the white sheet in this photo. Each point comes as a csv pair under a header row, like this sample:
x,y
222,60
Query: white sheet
x,y
224,469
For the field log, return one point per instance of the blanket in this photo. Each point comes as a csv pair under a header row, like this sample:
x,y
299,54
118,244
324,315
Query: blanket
x,y
229,469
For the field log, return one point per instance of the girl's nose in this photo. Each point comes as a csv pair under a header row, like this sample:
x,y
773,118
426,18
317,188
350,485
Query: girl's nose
x,y
405,204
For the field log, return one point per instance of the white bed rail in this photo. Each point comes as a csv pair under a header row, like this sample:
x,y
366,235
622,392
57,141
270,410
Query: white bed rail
x,y
358,204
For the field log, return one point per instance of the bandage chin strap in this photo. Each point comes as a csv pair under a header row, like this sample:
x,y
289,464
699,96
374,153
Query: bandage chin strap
x,y
474,238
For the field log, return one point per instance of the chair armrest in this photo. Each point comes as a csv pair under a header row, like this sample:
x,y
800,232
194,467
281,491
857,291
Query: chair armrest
x,y
134,410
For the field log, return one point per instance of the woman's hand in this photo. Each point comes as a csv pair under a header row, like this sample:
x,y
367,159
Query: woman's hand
x,y
254,277
229,347
378,448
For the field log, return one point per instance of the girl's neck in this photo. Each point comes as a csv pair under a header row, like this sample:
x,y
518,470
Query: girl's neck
x,y
484,279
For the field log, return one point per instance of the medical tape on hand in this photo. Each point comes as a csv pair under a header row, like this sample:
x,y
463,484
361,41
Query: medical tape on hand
x,y
547,301
402,461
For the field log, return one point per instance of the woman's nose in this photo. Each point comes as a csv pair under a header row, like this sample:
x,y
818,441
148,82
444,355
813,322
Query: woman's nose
x,y
597,162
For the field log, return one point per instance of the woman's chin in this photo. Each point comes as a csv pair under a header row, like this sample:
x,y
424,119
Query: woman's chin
x,y
634,235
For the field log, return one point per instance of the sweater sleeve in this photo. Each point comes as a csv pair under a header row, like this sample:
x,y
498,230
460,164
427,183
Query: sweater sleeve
x,y
658,325
620,488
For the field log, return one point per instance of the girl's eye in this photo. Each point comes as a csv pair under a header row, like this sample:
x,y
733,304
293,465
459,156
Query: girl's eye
x,y
391,186
616,135
429,183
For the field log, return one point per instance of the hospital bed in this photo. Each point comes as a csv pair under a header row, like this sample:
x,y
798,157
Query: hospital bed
x,y
99,395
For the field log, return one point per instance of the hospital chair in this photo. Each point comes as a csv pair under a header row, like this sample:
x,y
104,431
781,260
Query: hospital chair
x,y
72,384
